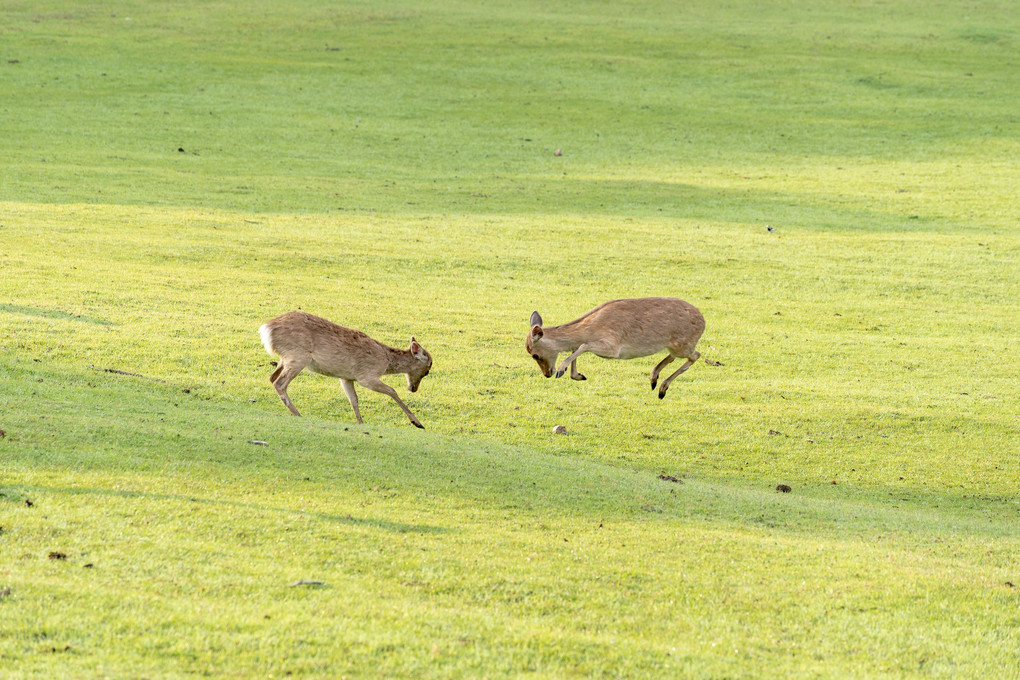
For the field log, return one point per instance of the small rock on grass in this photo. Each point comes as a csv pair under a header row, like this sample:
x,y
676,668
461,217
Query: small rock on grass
x,y
559,429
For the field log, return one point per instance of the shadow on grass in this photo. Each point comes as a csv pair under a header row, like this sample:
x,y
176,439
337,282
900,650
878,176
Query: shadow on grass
x,y
25,492
53,314
200,438
636,197
537,195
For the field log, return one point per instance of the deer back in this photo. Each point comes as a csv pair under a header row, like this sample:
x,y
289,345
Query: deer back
x,y
625,328
647,325
326,347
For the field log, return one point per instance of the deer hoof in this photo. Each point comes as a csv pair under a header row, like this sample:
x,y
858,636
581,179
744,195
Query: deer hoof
x,y
419,426
662,395
579,376
654,383
559,374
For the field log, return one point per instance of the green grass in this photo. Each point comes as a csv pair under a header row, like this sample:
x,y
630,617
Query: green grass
x,y
173,175
444,556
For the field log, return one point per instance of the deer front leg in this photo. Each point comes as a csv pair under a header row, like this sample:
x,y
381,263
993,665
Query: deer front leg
x,y
586,347
352,397
574,375
377,385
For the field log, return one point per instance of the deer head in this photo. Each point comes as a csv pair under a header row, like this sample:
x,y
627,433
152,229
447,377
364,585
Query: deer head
x,y
423,363
541,352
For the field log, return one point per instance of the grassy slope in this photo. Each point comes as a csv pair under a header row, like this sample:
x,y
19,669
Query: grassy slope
x,y
391,166
441,556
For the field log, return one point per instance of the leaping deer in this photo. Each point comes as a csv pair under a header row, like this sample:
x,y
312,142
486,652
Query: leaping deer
x,y
621,329
304,340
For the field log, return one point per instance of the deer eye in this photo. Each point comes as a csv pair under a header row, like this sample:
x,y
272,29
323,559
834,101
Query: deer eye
x,y
535,357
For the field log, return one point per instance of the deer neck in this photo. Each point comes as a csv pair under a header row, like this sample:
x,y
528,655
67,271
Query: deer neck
x,y
564,338
400,360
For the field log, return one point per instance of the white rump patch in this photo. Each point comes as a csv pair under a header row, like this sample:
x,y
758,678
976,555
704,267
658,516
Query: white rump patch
x,y
267,338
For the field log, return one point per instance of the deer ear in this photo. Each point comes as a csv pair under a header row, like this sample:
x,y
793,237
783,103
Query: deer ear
x,y
415,347
536,332
536,319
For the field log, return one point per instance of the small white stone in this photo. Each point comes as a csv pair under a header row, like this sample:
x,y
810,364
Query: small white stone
x,y
559,429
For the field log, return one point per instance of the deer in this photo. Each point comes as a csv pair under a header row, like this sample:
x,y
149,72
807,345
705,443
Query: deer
x,y
303,340
621,329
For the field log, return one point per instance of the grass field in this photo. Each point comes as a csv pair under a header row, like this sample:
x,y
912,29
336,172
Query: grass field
x,y
175,174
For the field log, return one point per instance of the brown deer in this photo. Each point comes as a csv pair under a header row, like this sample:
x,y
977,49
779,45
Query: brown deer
x,y
306,341
621,329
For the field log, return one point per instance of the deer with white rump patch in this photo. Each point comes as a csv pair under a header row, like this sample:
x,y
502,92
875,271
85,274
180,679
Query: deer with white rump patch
x,y
621,329
306,341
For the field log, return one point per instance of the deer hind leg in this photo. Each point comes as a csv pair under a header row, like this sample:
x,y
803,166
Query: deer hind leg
x,y
352,397
377,385
692,356
281,377
658,368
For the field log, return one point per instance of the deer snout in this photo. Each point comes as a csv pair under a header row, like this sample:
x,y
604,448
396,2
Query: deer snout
x,y
413,381
543,365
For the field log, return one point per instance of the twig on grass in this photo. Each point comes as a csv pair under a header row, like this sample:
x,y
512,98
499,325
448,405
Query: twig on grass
x,y
119,372
303,582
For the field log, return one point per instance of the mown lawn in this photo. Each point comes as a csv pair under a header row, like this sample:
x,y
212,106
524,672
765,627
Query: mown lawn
x,y
174,175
